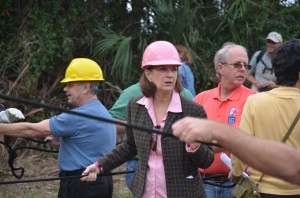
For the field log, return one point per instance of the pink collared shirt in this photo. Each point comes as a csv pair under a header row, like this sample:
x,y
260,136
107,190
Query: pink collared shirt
x,y
155,186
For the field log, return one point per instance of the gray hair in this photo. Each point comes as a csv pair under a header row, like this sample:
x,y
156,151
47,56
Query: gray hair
x,y
222,55
94,87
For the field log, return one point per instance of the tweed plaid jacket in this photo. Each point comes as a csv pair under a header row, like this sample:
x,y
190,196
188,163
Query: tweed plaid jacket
x,y
181,167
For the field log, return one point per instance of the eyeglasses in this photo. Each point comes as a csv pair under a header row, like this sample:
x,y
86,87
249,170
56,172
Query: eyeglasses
x,y
239,65
270,42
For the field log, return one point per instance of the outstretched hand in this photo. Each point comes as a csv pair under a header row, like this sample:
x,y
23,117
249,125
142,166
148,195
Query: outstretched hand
x,y
91,171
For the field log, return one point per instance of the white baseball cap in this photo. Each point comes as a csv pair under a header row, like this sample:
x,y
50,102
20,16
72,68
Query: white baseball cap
x,y
274,36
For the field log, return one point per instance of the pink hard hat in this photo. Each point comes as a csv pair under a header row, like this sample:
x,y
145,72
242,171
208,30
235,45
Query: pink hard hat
x,y
160,53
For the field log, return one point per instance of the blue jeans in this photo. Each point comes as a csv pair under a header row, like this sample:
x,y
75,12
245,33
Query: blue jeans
x,y
216,191
130,166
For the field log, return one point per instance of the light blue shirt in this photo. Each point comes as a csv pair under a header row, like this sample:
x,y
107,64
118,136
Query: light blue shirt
x,y
83,140
187,77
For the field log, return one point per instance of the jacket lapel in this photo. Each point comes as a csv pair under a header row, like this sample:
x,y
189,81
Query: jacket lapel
x,y
171,118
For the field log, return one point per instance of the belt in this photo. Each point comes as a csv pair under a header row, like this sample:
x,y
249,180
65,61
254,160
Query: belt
x,y
215,177
71,173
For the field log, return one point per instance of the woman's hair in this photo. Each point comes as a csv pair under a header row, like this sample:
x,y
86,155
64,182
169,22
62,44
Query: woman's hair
x,y
185,55
148,88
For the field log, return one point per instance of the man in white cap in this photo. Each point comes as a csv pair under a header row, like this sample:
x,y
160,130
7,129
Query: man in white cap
x,y
261,75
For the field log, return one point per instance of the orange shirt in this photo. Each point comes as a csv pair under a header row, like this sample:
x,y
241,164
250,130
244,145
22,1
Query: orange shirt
x,y
228,111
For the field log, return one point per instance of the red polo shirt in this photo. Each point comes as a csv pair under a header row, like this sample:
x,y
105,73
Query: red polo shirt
x,y
228,111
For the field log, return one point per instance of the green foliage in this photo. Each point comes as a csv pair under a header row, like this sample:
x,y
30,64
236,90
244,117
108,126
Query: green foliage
x,y
119,47
39,38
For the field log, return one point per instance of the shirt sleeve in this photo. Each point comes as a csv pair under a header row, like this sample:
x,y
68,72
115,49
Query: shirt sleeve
x,y
119,109
187,94
62,124
198,98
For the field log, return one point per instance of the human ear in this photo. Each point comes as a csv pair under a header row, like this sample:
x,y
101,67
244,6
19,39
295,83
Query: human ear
x,y
148,75
220,69
86,87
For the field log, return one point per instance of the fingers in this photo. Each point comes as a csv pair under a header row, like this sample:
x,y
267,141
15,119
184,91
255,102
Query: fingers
x,y
257,84
91,172
194,146
91,176
184,130
235,179
179,128
193,130
271,84
48,138
230,175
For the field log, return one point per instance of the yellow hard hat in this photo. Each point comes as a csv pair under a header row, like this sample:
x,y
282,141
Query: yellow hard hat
x,y
83,69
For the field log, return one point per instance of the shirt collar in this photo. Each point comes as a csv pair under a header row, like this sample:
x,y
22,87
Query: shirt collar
x,y
235,95
174,106
285,92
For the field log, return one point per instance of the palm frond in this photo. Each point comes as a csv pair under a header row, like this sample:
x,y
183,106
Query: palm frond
x,y
123,60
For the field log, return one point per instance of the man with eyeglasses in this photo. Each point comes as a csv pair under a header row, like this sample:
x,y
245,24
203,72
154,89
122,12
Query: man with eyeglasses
x,y
225,104
262,76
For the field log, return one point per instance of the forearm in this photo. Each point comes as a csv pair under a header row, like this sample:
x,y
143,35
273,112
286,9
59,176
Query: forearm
x,y
273,158
21,129
242,145
26,129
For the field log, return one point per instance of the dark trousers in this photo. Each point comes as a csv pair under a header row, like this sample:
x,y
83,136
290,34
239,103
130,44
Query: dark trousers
x,y
263,195
75,188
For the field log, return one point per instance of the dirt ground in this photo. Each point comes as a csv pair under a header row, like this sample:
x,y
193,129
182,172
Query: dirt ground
x,y
44,165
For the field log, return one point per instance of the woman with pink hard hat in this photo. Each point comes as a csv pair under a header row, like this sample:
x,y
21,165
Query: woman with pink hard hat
x,y
167,167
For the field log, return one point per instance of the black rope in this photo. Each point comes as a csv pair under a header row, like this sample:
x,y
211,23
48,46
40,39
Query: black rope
x,y
13,155
24,101
29,102
205,179
37,141
60,178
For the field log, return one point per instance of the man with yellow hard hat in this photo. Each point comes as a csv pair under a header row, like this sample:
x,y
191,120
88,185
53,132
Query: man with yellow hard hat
x,y
82,140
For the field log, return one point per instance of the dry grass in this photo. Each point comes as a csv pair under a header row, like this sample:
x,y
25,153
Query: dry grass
x,y
45,166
